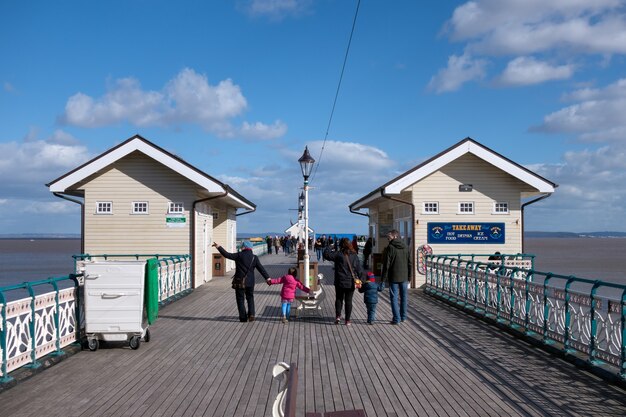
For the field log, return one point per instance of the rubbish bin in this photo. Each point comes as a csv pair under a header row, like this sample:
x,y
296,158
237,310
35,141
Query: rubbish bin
x,y
218,265
312,274
114,302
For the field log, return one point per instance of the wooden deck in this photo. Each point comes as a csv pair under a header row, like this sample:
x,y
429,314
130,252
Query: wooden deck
x,y
203,362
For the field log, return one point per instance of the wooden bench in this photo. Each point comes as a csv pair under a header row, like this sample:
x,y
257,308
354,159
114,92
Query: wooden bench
x,y
285,402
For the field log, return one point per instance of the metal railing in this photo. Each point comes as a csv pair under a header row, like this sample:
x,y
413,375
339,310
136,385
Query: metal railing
x,y
577,316
41,324
38,325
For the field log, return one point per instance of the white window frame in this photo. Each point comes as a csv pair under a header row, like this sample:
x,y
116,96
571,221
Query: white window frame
x,y
135,205
495,208
173,205
462,212
100,207
427,212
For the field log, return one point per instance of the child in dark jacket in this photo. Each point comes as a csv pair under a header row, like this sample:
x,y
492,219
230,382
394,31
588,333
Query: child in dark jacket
x,y
288,292
370,295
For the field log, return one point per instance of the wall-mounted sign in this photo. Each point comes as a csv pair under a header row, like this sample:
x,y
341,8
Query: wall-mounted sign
x,y
465,232
175,220
466,188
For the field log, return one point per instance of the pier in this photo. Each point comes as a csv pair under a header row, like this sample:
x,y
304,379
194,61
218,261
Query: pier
x,y
202,361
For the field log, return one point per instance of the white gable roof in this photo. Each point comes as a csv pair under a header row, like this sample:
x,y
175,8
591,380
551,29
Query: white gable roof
x,y
465,146
137,143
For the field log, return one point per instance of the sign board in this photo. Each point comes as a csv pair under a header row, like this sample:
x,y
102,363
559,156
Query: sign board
x,y
175,220
465,233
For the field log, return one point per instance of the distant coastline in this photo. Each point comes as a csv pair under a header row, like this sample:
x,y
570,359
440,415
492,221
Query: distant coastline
x,y
529,234
575,235
40,236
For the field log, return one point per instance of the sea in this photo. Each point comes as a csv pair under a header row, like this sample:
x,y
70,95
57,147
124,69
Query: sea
x,y
585,257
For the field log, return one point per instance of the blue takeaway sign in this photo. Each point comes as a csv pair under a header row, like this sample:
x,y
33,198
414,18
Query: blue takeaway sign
x,y
465,232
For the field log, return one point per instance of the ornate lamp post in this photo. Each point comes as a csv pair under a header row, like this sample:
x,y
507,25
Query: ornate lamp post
x,y
306,165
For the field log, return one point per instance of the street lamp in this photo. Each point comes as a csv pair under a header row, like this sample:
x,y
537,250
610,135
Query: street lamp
x,y
306,165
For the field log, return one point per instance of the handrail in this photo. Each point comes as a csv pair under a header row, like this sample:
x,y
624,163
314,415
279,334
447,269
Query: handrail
x,y
15,314
566,312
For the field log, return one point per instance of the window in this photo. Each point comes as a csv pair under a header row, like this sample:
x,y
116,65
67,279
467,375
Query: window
x,y
104,207
216,216
500,208
466,207
176,208
430,207
140,207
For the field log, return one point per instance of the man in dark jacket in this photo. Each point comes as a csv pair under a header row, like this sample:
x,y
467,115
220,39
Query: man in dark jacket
x,y
396,272
245,263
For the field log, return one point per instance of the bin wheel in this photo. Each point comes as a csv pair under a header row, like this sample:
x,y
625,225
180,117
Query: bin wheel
x,y
93,344
134,342
146,337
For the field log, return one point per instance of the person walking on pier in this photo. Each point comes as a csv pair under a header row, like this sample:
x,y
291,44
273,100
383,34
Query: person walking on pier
x,y
396,272
288,292
370,290
347,268
245,264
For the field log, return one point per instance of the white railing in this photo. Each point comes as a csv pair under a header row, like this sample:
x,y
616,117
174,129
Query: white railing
x,y
42,324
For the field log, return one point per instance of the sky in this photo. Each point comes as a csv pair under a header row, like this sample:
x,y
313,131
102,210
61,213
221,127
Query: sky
x,y
239,88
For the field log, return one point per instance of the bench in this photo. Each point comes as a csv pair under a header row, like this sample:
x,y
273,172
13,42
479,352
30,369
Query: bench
x,y
285,402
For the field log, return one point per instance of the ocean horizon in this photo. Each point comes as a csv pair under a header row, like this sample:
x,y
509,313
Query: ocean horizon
x,y
32,259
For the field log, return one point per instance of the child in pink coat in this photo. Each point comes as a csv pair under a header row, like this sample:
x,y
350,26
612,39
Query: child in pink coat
x,y
288,292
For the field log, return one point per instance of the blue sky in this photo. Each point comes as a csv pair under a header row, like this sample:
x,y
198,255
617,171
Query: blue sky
x,y
238,88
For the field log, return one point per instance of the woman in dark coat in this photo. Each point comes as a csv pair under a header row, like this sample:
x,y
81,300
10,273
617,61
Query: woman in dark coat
x,y
245,264
344,282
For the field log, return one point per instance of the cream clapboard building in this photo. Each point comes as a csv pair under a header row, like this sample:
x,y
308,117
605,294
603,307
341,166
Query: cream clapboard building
x,y
467,199
137,198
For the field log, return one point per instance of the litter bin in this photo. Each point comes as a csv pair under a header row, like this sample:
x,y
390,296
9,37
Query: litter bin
x,y
218,265
114,302
312,274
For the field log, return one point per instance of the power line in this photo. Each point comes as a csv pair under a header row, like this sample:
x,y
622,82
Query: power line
x,y
330,119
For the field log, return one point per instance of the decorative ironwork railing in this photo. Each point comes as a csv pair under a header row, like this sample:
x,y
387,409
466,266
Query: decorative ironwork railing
x,y
579,316
33,327
42,324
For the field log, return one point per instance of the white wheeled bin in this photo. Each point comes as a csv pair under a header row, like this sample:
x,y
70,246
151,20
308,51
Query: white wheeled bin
x,y
114,302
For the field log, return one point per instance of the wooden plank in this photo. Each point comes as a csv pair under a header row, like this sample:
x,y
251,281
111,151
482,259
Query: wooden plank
x,y
202,361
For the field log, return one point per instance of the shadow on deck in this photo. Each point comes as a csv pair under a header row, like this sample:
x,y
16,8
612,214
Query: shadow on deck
x,y
203,362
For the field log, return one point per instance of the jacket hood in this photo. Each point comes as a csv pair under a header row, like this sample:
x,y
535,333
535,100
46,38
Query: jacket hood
x,y
396,243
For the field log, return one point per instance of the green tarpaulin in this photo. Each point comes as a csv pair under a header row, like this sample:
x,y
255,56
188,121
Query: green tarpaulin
x,y
152,290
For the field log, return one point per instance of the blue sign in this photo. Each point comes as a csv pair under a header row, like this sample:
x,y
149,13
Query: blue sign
x,y
465,232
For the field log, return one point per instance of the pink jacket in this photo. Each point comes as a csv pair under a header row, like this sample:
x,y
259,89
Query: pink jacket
x,y
288,292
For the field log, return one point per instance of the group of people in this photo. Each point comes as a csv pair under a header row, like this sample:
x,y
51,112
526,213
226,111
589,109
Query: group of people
x,y
288,244
349,276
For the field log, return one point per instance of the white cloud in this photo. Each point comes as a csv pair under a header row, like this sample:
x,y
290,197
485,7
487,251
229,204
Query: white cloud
x,y
277,9
528,70
188,98
460,70
49,207
30,165
262,131
558,29
528,26
598,116
590,182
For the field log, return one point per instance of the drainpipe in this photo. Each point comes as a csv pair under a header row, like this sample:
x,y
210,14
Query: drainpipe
x,y
193,233
524,206
82,218
414,265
